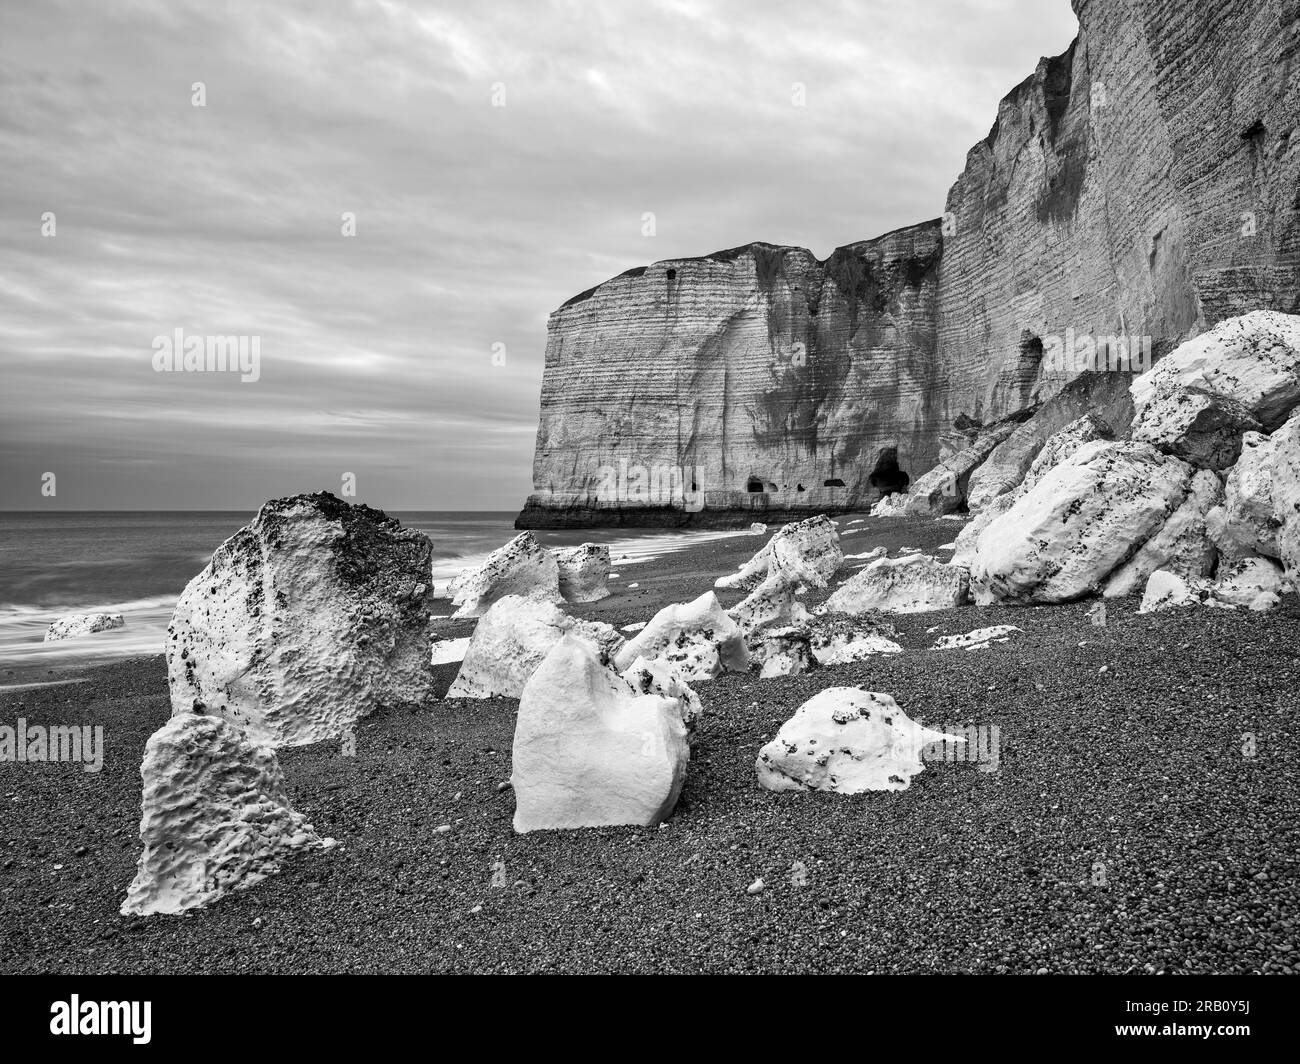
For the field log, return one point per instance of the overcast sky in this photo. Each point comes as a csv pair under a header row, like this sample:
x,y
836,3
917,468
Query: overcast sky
x,y
473,221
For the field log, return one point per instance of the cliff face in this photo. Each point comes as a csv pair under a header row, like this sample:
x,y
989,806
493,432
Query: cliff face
x,y
758,378
1134,190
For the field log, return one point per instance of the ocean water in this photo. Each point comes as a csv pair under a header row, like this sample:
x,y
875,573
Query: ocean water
x,y
138,563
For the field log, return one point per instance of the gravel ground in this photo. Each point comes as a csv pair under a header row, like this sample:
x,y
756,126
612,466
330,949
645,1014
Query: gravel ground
x,y
1124,829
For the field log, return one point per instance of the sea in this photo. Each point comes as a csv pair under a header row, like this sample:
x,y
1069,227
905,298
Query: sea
x,y
138,563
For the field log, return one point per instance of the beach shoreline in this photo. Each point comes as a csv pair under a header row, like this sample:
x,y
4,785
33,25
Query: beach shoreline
x,y
1123,828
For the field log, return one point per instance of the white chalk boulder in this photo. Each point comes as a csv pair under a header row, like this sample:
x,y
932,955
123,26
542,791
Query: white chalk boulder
x,y
1199,426
1252,583
809,550
215,817
589,753
522,567
846,740
915,583
979,639
1285,491
773,601
1182,545
1253,359
1071,530
696,637
1245,523
583,572
313,616
510,642
1059,446
78,624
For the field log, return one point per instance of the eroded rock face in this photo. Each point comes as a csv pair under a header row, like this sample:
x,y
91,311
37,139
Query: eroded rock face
x,y
1201,427
696,637
78,624
1253,583
806,551
1058,447
215,817
512,639
1252,360
1085,409
1245,523
311,617
1182,545
583,572
522,567
943,489
589,753
1285,491
846,740
915,583
1071,530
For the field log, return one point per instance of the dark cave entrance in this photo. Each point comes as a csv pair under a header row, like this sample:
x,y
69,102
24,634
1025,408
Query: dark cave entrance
x,y
887,478
754,486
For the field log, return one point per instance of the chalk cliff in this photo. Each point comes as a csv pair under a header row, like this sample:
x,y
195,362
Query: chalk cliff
x,y
1133,191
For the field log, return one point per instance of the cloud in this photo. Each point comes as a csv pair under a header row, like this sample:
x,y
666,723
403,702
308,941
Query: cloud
x,y
472,221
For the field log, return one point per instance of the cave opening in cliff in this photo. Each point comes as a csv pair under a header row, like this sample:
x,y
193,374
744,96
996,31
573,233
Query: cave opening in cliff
x,y
754,486
834,482
887,478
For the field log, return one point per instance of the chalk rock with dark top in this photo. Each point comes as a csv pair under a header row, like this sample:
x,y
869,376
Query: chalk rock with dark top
x,y
313,616
522,567
696,637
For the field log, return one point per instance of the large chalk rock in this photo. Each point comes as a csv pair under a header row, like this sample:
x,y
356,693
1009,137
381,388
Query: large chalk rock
x,y
1285,491
1055,450
1182,545
78,624
583,572
807,550
846,740
1072,529
914,583
314,615
522,567
510,642
696,637
215,816
1246,523
1166,591
1201,427
587,752
772,602
1253,359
